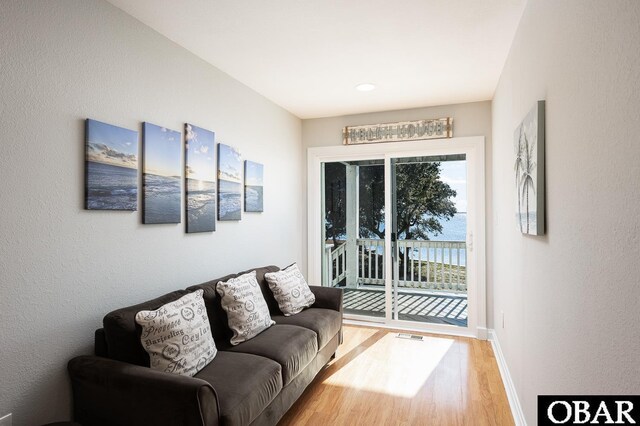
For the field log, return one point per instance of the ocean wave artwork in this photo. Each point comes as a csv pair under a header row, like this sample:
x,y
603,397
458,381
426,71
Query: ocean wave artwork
x,y
229,183
201,206
253,189
253,199
229,200
162,174
111,167
200,179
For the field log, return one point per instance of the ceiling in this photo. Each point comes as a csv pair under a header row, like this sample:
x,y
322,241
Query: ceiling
x,y
308,55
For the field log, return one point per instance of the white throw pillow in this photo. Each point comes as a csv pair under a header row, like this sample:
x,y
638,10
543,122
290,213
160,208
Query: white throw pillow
x,y
177,336
290,290
247,311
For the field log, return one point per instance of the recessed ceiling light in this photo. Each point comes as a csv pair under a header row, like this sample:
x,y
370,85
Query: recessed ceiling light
x,y
365,87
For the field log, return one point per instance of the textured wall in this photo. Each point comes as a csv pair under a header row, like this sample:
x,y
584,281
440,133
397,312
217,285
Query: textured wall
x,y
470,119
571,297
61,267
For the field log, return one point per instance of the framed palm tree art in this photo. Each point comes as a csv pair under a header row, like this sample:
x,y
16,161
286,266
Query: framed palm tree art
x,y
528,145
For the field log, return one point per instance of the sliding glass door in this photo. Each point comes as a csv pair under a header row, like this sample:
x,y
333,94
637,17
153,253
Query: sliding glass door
x,y
429,232
396,229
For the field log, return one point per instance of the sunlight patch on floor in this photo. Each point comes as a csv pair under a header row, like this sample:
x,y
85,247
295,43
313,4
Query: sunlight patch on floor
x,y
393,366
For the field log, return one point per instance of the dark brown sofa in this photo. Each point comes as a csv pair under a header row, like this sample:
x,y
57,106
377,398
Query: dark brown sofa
x,y
253,383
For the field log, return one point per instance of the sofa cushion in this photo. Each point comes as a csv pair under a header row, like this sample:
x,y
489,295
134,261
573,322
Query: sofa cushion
x,y
245,385
325,323
122,333
290,346
246,309
218,317
290,290
177,335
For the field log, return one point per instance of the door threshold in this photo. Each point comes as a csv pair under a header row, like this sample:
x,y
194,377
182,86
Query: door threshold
x,y
446,330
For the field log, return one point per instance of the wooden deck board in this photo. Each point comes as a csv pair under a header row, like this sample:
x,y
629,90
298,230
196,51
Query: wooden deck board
x,y
441,309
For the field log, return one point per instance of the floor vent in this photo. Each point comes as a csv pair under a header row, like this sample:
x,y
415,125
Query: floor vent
x,y
410,336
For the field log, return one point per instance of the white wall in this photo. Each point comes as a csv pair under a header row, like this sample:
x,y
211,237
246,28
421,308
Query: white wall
x,y
571,297
470,119
63,268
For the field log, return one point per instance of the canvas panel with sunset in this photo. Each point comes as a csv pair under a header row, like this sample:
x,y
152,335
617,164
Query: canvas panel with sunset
x,y
162,174
253,187
111,167
229,183
200,179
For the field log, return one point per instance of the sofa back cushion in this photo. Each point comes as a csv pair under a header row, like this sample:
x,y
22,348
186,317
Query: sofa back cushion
x,y
218,317
122,333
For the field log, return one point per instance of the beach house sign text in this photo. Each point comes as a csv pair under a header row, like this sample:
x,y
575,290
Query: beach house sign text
x,y
400,131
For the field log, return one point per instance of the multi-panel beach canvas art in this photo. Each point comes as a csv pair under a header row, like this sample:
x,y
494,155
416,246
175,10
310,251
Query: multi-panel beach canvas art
x,y
529,172
229,183
112,175
162,174
200,179
111,167
253,187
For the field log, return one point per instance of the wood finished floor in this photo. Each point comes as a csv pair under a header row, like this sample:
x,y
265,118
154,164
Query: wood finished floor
x,y
379,379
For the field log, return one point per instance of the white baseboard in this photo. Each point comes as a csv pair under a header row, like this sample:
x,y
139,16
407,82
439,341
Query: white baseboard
x,y
483,333
512,395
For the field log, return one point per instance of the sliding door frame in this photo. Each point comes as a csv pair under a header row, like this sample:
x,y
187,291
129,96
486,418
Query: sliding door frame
x,y
473,148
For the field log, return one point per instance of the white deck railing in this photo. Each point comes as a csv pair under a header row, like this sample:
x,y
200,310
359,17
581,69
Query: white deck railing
x,y
370,261
435,265
338,263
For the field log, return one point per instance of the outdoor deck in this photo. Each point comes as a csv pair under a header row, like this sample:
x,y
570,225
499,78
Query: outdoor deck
x,y
413,306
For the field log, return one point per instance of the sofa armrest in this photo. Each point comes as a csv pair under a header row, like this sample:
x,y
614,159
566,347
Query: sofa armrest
x,y
109,392
327,297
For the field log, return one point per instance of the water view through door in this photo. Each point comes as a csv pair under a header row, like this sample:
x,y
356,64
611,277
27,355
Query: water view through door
x,y
429,227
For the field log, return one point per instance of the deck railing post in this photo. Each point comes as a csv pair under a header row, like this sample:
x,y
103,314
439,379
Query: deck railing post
x,y
328,263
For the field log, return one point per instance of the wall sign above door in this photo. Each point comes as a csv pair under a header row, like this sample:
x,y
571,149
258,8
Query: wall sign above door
x,y
398,132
